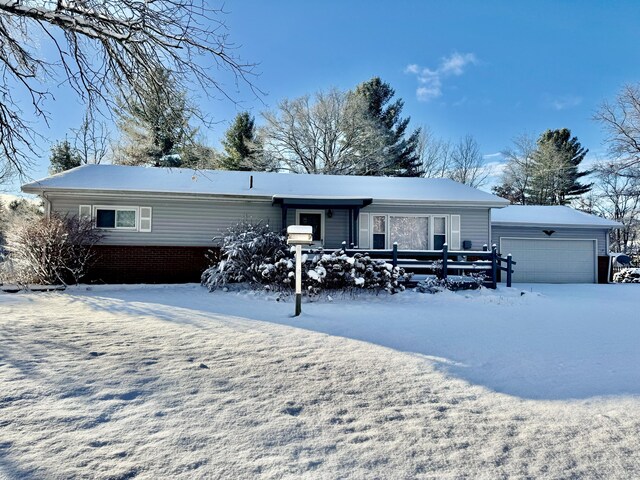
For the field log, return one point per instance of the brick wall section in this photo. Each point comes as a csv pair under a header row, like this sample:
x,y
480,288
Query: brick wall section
x,y
140,264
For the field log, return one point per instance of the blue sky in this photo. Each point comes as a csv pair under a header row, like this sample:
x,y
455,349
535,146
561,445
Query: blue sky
x,y
493,69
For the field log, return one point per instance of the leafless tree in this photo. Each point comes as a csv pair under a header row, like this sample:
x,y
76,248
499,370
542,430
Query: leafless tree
x,y
467,164
518,171
616,196
104,48
621,120
92,140
330,133
434,154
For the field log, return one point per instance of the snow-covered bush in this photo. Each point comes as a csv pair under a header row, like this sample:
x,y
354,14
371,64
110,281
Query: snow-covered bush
x,y
253,254
628,275
334,271
453,283
243,249
53,250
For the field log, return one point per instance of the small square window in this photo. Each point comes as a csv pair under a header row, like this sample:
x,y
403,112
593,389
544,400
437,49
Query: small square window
x,y
105,218
125,219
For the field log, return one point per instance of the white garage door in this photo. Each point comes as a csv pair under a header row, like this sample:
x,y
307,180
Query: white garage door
x,y
551,260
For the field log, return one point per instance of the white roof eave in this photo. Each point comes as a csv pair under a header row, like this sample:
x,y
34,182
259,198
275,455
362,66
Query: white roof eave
x,y
555,224
34,188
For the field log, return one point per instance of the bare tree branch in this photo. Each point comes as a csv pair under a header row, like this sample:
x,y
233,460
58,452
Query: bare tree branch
x,y
467,164
330,134
621,120
105,48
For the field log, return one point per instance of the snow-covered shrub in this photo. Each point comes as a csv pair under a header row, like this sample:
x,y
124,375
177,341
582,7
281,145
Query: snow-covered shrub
x,y
334,271
53,250
243,249
454,283
627,275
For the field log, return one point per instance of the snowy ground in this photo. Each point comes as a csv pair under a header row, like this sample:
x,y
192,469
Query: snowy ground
x,y
173,382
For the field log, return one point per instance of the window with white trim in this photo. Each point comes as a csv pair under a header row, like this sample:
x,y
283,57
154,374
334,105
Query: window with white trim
x,y
116,218
410,232
439,232
379,236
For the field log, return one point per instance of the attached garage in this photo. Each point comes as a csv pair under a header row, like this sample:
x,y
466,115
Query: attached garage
x,y
552,260
553,244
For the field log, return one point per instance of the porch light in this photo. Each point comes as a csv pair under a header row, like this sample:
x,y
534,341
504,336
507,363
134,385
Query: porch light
x,y
299,235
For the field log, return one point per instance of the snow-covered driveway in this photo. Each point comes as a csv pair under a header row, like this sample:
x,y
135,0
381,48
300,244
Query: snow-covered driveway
x,y
173,382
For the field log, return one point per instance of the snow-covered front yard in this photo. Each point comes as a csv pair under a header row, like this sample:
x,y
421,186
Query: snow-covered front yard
x,y
173,382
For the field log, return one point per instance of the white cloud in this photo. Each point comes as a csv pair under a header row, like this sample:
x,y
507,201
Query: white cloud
x,y
563,102
456,63
430,81
413,68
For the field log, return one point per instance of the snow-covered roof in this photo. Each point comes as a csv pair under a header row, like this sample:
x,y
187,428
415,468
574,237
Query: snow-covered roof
x,y
122,179
537,215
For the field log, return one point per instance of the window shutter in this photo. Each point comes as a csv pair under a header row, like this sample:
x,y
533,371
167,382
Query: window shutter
x,y
364,239
145,219
85,211
454,243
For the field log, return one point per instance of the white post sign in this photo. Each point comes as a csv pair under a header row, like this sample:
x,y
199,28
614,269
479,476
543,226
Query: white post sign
x,y
299,235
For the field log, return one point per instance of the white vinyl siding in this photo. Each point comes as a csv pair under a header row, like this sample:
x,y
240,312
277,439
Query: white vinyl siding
x,y
599,234
197,221
181,221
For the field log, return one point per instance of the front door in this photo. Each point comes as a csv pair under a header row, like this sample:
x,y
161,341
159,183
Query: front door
x,y
314,219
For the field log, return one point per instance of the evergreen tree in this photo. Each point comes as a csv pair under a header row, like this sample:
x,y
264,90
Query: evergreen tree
x,y
240,144
63,157
155,126
554,169
404,159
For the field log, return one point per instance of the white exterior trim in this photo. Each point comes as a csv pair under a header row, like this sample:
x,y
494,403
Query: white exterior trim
x,y
429,216
116,209
322,223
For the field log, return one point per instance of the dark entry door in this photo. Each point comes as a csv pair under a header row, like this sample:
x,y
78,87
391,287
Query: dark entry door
x,y
314,220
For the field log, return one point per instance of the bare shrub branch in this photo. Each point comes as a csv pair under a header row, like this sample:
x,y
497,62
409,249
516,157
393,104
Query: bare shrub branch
x,y
53,250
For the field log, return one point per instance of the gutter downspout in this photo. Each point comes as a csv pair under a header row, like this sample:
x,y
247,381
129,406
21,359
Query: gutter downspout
x,y
47,204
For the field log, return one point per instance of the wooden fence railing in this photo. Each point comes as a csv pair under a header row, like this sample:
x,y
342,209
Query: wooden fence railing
x,y
487,261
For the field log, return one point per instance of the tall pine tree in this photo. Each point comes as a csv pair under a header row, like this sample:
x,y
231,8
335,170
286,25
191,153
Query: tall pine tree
x,y
555,177
404,158
240,144
155,126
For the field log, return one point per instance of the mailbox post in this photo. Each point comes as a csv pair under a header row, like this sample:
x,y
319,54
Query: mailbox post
x,y
299,235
